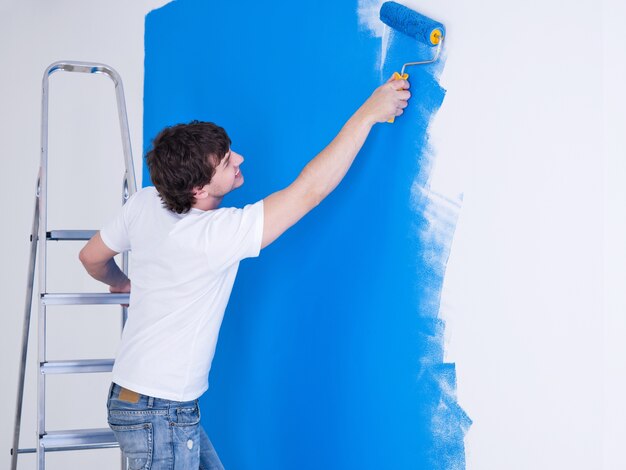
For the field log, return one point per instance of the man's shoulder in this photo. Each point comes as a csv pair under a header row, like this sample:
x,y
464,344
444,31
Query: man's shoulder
x,y
229,212
144,196
147,192
142,203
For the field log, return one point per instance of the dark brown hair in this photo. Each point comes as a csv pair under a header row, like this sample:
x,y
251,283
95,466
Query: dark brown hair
x,y
184,157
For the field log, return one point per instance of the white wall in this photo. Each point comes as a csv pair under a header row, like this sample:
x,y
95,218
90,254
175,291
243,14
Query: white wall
x,y
533,126
614,249
86,172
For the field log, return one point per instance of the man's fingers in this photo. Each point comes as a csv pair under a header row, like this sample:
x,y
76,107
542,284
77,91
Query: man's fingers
x,y
400,84
405,83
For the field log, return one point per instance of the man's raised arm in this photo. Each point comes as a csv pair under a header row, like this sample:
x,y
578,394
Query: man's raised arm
x,y
321,175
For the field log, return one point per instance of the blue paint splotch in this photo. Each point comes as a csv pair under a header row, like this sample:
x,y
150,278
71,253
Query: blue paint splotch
x,y
331,351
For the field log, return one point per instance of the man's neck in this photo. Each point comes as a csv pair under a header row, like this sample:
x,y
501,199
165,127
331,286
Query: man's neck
x,y
207,204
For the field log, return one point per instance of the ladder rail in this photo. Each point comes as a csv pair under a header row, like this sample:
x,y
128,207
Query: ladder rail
x,y
28,307
127,191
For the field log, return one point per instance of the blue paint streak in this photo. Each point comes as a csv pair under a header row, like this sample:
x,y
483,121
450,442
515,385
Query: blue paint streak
x,y
331,352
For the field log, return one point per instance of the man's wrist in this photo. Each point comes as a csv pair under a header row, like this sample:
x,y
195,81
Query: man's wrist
x,y
122,285
361,118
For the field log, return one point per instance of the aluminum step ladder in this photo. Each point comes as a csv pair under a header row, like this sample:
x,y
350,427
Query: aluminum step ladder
x,y
77,439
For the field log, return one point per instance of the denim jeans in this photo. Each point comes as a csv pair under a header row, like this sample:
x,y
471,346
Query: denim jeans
x,y
158,434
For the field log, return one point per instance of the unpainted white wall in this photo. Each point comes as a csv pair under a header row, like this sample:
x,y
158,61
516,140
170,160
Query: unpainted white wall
x,y
533,126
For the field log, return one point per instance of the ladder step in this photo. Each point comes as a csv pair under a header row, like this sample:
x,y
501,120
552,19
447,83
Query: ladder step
x,y
85,298
61,235
84,366
27,450
78,439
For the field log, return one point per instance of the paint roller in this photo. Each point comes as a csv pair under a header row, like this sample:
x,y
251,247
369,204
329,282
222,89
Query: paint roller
x,y
415,25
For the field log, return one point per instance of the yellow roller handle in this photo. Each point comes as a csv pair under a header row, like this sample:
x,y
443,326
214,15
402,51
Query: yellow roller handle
x,y
397,76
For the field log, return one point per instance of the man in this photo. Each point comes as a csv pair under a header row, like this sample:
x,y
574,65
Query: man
x,y
186,252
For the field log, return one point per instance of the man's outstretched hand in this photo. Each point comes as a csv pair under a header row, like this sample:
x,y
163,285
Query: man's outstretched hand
x,y
387,101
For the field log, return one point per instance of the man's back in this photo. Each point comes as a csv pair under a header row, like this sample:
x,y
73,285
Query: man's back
x,y
183,269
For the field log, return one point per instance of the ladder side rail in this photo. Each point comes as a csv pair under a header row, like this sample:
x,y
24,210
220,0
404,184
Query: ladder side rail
x,y
28,306
43,228
126,193
130,182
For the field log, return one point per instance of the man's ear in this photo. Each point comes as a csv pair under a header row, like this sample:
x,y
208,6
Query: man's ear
x,y
200,193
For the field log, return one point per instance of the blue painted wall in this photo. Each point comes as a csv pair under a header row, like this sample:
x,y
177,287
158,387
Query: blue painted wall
x,y
330,355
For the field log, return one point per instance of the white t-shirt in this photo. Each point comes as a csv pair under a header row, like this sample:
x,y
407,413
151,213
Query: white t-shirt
x,y
183,268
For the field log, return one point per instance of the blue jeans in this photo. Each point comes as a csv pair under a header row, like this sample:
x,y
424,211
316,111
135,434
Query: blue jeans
x,y
158,434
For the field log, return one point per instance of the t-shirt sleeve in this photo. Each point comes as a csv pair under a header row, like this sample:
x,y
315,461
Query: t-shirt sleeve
x,y
231,235
115,234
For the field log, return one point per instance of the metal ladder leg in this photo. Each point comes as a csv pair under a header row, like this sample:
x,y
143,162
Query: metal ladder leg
x,y
28,304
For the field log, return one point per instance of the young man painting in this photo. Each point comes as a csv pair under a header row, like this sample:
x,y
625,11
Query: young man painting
x,y
186,252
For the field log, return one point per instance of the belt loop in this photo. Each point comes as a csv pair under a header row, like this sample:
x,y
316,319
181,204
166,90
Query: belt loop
x,y
150,402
